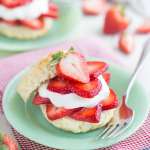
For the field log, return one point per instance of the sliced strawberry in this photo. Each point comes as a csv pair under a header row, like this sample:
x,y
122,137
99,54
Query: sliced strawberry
x,y
126,43
107,77
14,3
92,7
73,67
144,28
12,145
115,21
91,115
96,68
87,90
33,24
110,102
54,113
53,11
38,100
10,22
59,85
53,7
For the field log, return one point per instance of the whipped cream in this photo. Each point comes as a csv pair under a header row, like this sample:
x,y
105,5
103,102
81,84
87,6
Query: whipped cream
x,y
72,100
28,11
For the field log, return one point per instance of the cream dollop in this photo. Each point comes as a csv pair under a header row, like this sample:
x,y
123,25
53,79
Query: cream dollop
x,y
72,100
29,11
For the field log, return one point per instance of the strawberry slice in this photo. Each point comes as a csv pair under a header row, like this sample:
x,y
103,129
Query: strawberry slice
x,y
92,7
10,22
126,43
96,68
53,7
107,77
110,102
54,113
115,21
87,90
73,67
8,141
53,11
91,115
59,85
33,24
144,28
38,100
14,3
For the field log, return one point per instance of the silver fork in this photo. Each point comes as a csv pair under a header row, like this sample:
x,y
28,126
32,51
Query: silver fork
x,y
124,115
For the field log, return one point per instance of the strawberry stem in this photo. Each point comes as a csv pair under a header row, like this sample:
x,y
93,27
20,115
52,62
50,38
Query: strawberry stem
x,y
122,10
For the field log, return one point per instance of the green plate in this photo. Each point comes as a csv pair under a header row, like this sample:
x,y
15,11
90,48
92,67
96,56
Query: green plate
x,y
34,126
65,26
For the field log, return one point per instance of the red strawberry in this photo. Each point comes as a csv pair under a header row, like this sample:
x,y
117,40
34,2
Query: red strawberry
x,y
73,67
7,140
53,7
92,7
106,77
10,22
126,43
91,115
54,113
59,85
53,11
144,28
87,90
14,3
114,21
38,100
110,102
96,68
33,24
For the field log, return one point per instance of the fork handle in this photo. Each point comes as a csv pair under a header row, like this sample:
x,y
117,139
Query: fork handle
x,y
139,65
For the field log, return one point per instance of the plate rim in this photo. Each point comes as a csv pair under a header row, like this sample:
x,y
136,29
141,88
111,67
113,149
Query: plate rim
x,y
19,74
69,34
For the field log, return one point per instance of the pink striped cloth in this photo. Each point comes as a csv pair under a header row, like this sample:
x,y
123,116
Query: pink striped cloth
x,y
12,65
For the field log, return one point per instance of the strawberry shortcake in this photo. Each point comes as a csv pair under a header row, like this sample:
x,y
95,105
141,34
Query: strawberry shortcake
x,y
26,19
72,92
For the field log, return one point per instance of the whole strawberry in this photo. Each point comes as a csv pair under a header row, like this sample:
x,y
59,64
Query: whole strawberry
x,y
115,20
144,28
14,3
126,43
94,7
7,143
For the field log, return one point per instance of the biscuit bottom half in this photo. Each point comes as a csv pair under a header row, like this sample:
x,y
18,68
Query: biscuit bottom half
x,y
76,126
24,33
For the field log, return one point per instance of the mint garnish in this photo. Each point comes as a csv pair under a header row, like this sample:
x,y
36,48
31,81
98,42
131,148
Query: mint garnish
x,y
56,57
71,49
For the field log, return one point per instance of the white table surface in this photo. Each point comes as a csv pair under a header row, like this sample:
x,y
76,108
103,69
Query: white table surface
x,y
90,27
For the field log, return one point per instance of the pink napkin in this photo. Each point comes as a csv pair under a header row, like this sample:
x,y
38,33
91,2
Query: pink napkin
x,y
89,47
